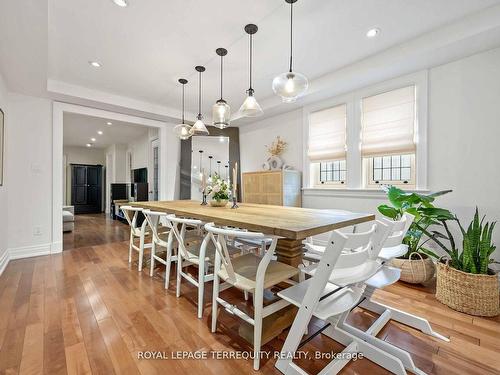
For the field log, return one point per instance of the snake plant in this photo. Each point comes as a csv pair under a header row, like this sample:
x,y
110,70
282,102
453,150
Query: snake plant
x,y
476,246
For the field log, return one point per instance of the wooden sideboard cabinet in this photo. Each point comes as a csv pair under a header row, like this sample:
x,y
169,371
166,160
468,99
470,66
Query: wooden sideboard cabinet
x,y
280,188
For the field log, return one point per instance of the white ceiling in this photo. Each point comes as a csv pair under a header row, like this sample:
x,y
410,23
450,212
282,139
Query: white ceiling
x,y
145,47
79,129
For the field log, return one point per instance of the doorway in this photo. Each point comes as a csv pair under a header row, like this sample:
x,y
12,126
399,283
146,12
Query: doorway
x,y
115,164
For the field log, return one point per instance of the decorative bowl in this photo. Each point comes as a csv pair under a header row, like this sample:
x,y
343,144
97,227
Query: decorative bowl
x,y
218,203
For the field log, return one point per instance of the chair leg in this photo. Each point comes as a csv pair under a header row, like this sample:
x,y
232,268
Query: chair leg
x,y
201,288
141,252
179,269
167,267
257,328
153,252
214,302
130,247
246,295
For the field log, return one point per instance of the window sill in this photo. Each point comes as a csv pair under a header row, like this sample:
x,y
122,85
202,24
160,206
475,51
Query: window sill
x,y
350,193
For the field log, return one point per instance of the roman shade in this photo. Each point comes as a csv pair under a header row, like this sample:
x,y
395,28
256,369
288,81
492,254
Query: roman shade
x,y
388,123
327,134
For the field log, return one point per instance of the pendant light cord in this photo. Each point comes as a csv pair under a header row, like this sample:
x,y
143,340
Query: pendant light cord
x,y
291,35
183,103
250,88
221,77
199,96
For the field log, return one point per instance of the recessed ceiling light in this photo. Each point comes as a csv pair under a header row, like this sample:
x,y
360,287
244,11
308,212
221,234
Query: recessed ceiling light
x,y
372,33
109,123
121,3
99,132
92,139
95,64
88,145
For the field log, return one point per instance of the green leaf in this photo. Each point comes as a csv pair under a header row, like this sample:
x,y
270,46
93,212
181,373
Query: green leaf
x,y
388,211
439,193
429,252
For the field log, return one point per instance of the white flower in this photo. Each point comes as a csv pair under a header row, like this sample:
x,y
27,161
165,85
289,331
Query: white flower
x,y
216,188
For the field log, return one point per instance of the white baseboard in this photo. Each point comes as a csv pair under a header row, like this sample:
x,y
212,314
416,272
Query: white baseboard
x,y
29,251
4,261
56,247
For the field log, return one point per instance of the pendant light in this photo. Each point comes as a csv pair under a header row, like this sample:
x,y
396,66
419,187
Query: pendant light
x,y
199,127
250,107
221,112
182,130
290,85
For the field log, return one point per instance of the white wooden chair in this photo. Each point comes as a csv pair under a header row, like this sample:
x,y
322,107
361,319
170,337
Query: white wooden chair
x,y
387,275
335,288
314,252
393,247
193,251
249,273
162,237
131,214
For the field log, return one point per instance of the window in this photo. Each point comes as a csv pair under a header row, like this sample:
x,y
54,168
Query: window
x,y
387,139
327,145
377,136
394,169
333,171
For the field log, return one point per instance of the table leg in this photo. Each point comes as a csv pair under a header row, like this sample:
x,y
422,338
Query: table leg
x,y
290,251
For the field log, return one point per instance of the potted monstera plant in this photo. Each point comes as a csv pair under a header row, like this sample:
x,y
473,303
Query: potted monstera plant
x,y
416,265
465,282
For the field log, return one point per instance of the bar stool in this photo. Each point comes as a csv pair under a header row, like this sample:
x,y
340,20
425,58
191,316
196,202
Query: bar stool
x,y
131,214
162,237
249,273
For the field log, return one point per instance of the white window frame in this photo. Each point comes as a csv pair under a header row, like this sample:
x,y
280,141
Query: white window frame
x,y
315,167
370,183
356,177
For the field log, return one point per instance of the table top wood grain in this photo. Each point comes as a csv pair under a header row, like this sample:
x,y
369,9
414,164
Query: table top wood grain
x,y
289,222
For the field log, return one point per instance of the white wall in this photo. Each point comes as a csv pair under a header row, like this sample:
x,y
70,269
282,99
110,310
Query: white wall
x,y
140,151
84,155
3,188
463,142
255,137
29,175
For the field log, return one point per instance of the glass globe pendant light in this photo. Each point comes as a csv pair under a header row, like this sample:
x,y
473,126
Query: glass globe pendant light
x,y
221,112
199,127
290,85
182,130
250,107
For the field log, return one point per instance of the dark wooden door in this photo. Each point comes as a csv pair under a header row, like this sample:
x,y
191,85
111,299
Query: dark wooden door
x,y
86,188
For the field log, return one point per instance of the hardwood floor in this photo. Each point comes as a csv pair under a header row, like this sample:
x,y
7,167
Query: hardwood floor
x,y
86,311
95,229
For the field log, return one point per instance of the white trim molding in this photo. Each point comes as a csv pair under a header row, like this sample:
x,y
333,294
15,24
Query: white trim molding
x,y
350,193
4,261
58,111
29,251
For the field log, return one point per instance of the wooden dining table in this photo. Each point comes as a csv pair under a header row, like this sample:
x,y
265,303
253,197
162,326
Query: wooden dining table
x,y
291,224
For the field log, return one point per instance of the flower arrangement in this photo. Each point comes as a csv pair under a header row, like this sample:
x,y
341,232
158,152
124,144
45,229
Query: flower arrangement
x,y
218,189
277,147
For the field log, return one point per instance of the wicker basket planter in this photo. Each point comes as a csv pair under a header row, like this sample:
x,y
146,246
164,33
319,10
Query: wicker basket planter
x,y
419,268
466,292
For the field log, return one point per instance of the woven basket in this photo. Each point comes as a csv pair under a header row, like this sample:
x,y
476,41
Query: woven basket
x,y
467,292
415,271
